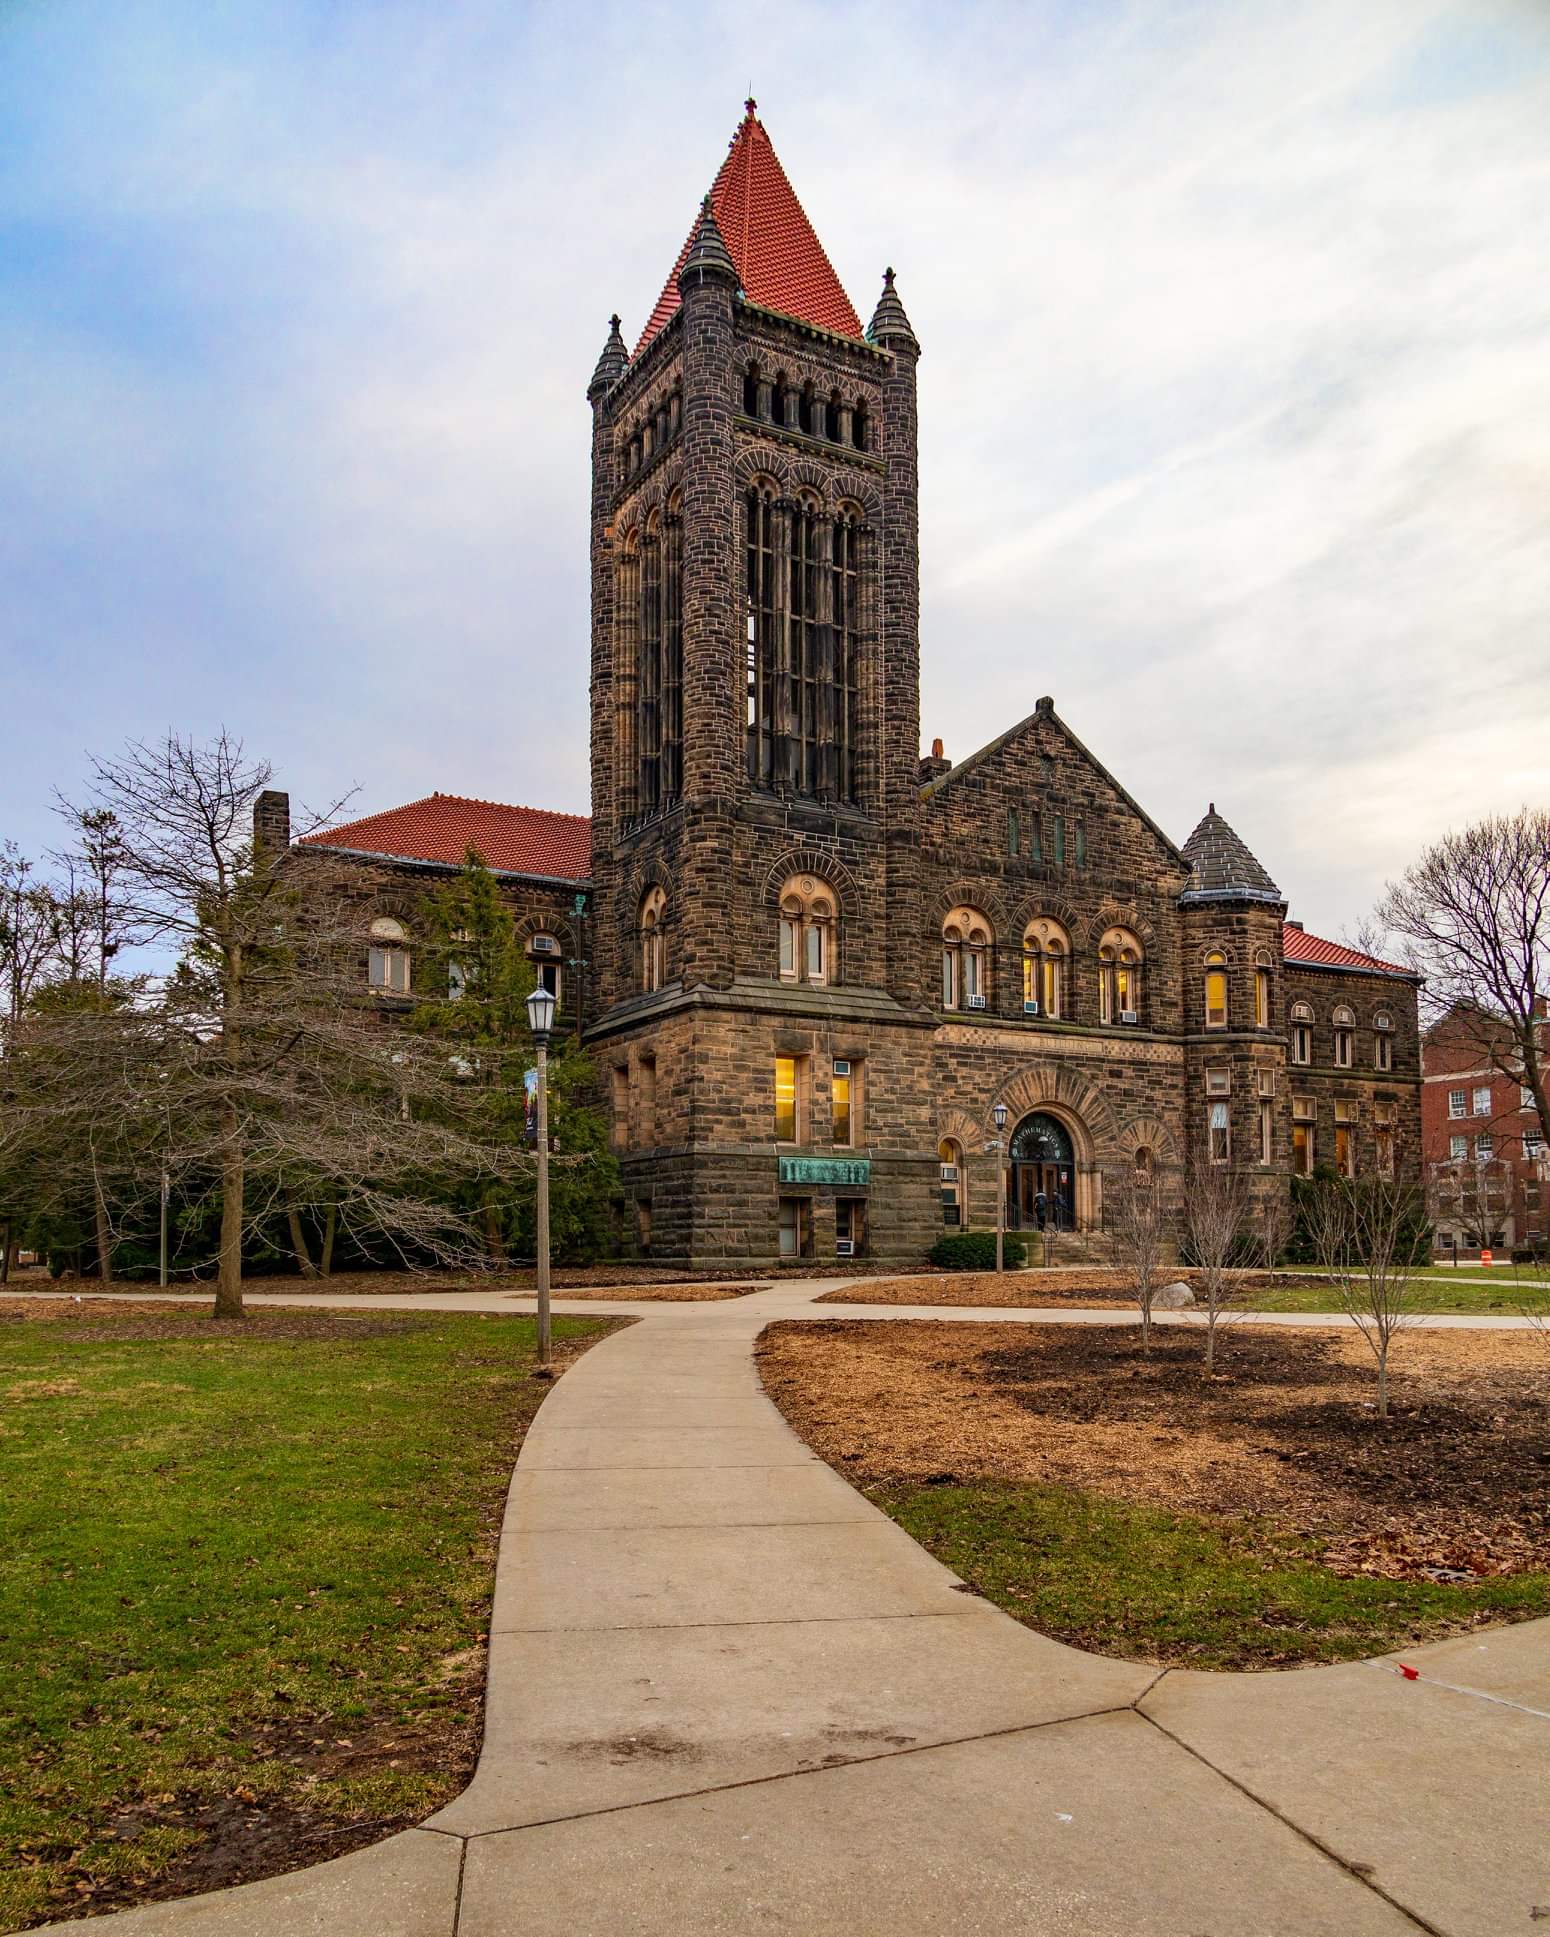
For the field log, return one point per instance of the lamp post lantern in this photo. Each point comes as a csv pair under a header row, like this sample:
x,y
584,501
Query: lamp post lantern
x,y
999,1113
540,1016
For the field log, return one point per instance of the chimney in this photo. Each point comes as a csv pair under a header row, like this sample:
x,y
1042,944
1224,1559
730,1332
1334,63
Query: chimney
x,y
934,764
1293,924
272,822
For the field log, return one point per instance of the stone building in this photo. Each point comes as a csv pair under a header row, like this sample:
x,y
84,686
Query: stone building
x,y
815,961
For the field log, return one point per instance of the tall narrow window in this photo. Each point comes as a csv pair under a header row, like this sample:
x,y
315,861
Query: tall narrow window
x,y
387,963
965,960
653,942
1046,956
808,927
1081,844
1060,840
1216,990
1383,1136
1261,991
788,1099
1345,1137
848,1075
1383,1041
848,541
1345,1037
1014,833
672,756
1221,1132
1267,1130
1119,977
1304,1115
648,733
762,617
950,1157
1302,1033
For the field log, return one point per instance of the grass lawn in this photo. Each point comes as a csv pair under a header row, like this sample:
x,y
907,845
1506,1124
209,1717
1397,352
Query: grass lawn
x,y
1440,1291
245,1585
1125,1503
1124,1579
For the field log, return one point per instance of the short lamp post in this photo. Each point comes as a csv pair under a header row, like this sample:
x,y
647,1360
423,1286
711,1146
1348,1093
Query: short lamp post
x,y
540,1016
999,1113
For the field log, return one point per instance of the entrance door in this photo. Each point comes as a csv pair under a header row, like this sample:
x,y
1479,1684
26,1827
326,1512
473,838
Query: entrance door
x,y
1042,1187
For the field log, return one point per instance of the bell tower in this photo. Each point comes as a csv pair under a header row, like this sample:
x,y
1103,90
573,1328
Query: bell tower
x,y
755,697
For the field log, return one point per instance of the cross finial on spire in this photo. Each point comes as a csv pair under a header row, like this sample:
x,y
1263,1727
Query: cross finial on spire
x,y
751,104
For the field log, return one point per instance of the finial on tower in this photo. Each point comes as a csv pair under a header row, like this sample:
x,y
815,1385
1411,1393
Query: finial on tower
x,y
890,327
751,106
709,260
612,364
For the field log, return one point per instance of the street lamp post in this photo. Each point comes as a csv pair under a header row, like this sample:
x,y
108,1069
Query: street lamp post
x,y
999,1113
540,1016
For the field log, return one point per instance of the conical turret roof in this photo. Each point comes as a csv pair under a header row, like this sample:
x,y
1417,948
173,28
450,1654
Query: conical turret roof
x,y
708,254
613,363
780,262
1221,867
889,323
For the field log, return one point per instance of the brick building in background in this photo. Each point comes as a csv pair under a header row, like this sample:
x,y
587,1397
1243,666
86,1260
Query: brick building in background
x,y
808,962
1487,1165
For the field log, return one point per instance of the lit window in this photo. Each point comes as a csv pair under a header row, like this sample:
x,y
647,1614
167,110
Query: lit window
x,y
1345,1137
653,942
1261,992
807,928
1221,1134
787,1098
847,1101
965,960
1302,1033
387,962
1303,1126
950,1156
1216,990
1046,952
1345,1037
1458,1103
1119,976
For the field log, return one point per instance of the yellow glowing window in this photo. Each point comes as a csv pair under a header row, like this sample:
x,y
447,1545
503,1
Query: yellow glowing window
x,y
785,1099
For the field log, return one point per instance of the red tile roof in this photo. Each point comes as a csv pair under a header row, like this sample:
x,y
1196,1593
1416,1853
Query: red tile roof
x,y
1297,945
442,827
780,260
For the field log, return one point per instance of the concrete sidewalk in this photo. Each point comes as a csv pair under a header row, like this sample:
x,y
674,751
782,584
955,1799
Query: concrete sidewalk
x,y
726,1694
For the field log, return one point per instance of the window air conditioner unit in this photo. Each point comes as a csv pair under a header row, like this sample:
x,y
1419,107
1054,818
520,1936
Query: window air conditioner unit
x,y
844,1247
974,1002
841,1066
1030,1008
1129,1015
545,945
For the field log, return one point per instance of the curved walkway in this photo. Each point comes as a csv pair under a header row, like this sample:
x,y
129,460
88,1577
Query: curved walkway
x,y
726,1694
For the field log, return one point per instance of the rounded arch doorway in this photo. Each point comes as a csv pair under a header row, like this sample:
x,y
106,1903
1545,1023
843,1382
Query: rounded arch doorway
x,y
1041,1178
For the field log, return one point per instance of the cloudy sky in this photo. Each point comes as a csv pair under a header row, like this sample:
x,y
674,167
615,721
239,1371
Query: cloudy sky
x,y
1235,399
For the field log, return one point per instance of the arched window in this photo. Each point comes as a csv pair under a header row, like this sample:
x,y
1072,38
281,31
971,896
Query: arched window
x,y
954,1183
1046,965
1344,1021
1262,967
751,391
861,426
546,955
1119,976
659,662
653,941
1216,990
1383,1041
965,960
803,580
831,418
808,925
387,961
781,400
1302,1033
1143,1163
806,412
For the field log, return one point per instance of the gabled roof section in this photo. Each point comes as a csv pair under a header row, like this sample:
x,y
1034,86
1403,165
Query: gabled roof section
x,y
1045,710
441,828
1221,868
780,261
1313,951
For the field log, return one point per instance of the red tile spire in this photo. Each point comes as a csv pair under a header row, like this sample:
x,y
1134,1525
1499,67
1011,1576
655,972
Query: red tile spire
x,y
780,261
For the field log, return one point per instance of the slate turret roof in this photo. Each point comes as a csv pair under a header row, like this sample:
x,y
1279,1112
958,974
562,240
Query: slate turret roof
x,y
1221,868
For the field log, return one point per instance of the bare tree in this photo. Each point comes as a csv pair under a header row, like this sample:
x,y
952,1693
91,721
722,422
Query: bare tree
x,y
1215,1213
1473,914
1365,1236
259,1059
1137,1229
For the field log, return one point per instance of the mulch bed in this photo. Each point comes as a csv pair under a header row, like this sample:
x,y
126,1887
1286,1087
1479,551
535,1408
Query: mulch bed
x,y
1455,1484
1096,1285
